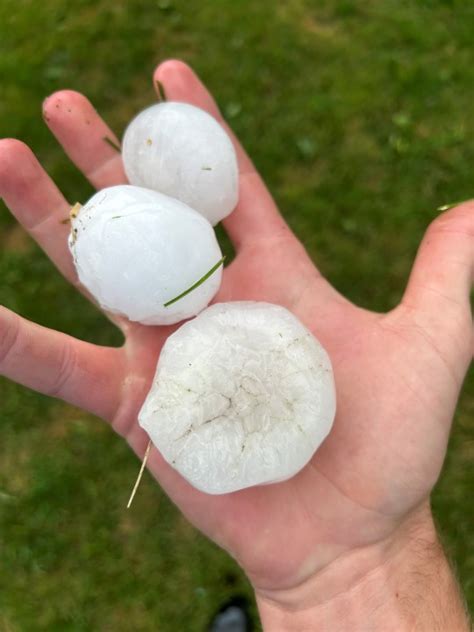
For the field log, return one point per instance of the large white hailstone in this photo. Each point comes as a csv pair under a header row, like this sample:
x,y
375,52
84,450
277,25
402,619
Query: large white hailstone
x,y
243,395
180,150
135,249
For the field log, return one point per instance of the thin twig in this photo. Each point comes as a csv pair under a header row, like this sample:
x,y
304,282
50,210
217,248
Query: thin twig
x,y
140,474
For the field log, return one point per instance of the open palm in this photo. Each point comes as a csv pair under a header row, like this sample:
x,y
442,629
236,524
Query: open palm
x,y
398,375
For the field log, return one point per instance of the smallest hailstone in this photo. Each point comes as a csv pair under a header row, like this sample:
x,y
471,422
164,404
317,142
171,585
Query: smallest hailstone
x,y
243,395
182,151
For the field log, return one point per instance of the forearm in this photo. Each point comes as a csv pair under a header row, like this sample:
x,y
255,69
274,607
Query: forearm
x,y
405,584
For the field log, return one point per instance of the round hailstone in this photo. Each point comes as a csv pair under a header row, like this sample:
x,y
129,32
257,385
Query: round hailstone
x,y
182,151
243,395
135,249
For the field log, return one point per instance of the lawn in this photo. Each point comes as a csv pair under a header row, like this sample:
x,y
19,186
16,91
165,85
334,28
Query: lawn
x,y
359,115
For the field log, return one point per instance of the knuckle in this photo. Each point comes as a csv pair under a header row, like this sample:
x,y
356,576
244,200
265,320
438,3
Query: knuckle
x,y
66,370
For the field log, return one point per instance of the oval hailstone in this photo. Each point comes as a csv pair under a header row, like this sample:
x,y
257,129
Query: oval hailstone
x,y
135,249
243,395
182,151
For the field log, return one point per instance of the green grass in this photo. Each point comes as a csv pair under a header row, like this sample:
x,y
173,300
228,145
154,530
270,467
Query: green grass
x,y
359,115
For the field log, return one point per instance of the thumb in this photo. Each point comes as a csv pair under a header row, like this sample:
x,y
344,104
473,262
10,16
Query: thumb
x,y
438,292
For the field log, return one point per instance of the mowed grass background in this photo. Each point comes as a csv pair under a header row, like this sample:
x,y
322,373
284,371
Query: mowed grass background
x,y
360,117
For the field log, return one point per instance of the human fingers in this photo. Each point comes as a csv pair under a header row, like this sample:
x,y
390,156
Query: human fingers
x,y
438,292
256,216
81,131
53,363
36,202
41,209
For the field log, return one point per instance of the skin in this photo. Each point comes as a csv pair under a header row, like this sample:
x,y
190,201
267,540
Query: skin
x,y
364,497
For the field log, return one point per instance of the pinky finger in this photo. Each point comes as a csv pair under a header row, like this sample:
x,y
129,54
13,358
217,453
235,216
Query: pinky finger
x,y
59,365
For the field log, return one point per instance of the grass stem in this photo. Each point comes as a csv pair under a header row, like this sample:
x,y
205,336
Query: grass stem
x,y
140,474
197,284
160,91
112,143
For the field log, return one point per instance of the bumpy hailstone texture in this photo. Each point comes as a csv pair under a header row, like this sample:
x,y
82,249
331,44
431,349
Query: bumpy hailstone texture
x,y
135,249
243,395
180,150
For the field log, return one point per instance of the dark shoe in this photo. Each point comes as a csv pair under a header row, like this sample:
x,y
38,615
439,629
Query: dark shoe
x,y
232,617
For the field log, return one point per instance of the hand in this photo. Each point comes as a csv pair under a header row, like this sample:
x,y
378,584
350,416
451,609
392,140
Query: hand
x,y
398,375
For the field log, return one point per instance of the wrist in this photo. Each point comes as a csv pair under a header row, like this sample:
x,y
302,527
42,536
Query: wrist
x,y
403,583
